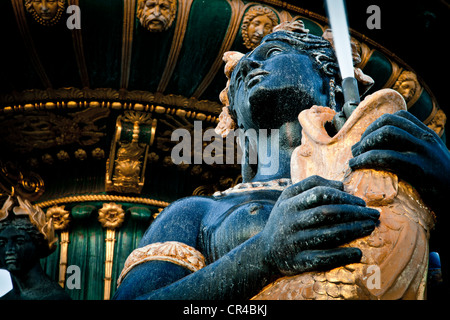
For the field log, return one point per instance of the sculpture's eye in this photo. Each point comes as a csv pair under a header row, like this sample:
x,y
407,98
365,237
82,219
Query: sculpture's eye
x,y
273,52
20,241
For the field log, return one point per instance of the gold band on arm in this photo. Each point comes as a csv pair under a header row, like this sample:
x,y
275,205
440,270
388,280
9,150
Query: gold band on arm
x,y
170,251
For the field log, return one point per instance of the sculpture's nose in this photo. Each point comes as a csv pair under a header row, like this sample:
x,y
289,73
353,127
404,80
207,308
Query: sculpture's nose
x,y
157,11
259,30
10,248
44,7
247,65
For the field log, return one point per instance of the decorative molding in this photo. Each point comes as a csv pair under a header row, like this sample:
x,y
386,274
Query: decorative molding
x,y
19,12
171,251
61,219
129,9
396,71
137,100
125,167
111,217
102,197
184,8
64,249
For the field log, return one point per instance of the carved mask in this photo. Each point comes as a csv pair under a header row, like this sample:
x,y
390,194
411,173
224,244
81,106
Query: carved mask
x,y
156,15
46,12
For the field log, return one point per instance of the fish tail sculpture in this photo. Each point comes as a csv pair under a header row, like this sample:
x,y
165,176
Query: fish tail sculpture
x,y
395,256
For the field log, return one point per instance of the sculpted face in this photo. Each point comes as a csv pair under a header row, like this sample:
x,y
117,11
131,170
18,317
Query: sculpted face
x,y
157,15
17,250
406,89
46,9
273,83
258,28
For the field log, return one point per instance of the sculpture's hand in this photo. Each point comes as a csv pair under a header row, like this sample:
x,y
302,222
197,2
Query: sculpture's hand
x,y
309,221
402,144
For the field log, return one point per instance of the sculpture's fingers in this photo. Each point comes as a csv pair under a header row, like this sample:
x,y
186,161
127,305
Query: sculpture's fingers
x,y
408,115
321,260
319,196
402,120
328,215
403,164
309,183
388,138
331,236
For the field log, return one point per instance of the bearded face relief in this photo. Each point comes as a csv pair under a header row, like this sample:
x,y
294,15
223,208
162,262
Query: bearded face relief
x,y
258,22
46,12
156,15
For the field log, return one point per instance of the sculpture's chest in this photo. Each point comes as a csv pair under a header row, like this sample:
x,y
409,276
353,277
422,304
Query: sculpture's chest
x,y
221,233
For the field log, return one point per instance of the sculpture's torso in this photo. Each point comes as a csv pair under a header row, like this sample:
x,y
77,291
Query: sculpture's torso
x,y
244,216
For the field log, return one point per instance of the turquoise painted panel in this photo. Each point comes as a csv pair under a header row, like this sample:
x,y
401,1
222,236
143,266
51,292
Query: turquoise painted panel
x,y
149,56
423,106
202,41
379,68
86,248
102,39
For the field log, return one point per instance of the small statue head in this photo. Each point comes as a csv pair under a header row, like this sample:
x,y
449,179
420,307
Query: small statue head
x,y
25,236
407,85
46,12
156,15
21,245
258,22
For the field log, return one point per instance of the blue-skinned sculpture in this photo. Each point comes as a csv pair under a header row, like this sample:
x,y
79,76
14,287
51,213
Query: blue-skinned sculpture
x,y
237,243
26,236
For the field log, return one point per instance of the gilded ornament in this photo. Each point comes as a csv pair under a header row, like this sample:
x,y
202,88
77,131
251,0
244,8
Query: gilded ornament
x,y
111,215
156,15
125,168
45,12
437,124
61,220
258,22
170,251
153,157
63,155
59,216
80,154
46,130
407,85
47,159
98,153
